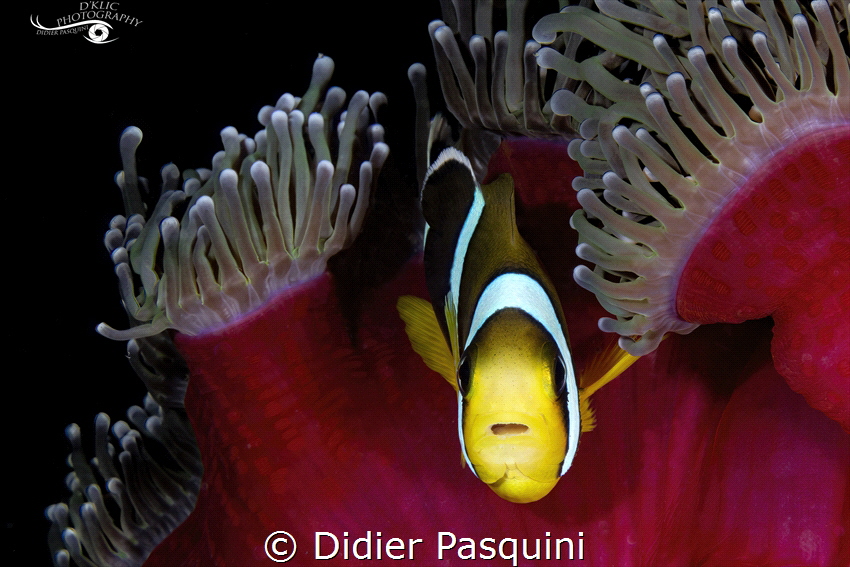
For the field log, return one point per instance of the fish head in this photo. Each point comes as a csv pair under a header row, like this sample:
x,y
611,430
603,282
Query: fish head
x,y
514,429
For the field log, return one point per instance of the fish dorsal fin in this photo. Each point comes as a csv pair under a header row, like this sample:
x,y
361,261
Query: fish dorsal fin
x,y
604,367
499,196
425,336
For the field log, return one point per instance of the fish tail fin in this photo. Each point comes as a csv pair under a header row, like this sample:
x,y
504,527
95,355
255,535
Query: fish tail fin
x,y
609,363
425,336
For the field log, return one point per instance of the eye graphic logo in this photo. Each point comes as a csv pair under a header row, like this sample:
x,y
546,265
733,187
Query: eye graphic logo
x,y
98,33
98,30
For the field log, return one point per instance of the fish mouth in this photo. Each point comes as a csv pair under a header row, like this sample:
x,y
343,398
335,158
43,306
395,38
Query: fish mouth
x,y
508,429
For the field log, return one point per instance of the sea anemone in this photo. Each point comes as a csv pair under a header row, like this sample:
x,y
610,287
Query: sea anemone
x,y
269,213
265,218
715,186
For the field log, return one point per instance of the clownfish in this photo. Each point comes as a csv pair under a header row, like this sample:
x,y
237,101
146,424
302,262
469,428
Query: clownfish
x,y
495,330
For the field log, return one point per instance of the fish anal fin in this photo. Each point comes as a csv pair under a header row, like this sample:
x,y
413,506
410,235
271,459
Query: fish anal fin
x,y
425,336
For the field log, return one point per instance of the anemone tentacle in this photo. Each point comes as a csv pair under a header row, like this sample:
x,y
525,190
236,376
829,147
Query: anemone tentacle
x,y
490,81
145,476
725,99
269,213
663,157
491,95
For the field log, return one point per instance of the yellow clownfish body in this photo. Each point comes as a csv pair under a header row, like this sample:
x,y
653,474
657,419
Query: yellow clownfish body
x,y
496,332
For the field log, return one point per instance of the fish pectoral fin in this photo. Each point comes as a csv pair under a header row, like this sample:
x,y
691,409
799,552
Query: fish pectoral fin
x,y
609,363
604,367
450,312
425,336
588,416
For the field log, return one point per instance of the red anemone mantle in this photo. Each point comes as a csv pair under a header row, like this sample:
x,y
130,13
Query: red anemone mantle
x,y
702,453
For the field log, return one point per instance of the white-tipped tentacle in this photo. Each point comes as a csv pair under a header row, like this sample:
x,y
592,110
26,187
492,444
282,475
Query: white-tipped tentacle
x,y
490,83
124,501
658,164
269,213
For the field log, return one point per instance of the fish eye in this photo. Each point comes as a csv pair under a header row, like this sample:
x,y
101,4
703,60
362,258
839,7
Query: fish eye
x,y
559,377
463,376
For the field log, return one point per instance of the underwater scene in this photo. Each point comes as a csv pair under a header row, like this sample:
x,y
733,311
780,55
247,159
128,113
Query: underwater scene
x,y
451,283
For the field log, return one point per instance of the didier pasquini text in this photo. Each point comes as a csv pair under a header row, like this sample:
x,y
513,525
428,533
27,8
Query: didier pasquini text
x,y
376,546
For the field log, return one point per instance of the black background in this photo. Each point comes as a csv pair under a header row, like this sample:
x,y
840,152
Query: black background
x,y
181,75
